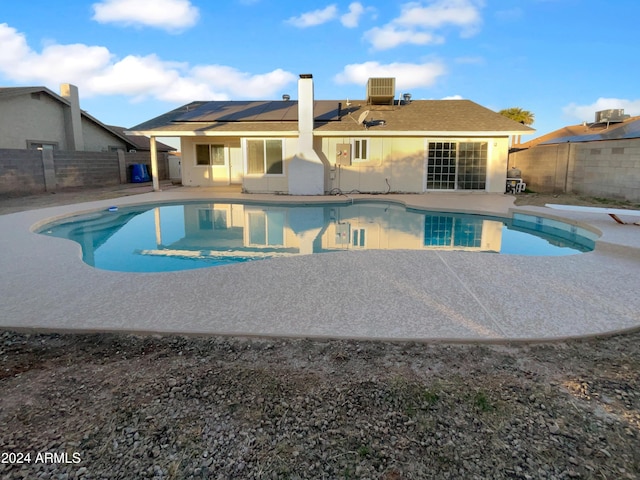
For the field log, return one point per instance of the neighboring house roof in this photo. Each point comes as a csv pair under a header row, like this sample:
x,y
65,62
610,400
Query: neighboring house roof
x,y
9,92
332,116
629,128
141,143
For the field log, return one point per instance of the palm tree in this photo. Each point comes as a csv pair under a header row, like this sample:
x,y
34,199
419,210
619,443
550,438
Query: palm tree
x,y
519,115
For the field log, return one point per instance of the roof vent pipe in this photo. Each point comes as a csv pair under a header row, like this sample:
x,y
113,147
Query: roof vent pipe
x,y
407,97
286,97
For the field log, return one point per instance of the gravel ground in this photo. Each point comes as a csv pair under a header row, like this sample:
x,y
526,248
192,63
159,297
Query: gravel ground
x,y
123,406
116,406
18,203
540,199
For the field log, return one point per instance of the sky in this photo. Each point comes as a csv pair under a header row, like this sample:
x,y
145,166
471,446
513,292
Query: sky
x,y
133,60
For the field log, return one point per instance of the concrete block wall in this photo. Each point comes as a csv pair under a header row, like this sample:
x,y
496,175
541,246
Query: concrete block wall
x,y
544,168
21,172
609,169
79,169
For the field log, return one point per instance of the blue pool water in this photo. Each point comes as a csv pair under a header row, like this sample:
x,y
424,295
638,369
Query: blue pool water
x,y
173,237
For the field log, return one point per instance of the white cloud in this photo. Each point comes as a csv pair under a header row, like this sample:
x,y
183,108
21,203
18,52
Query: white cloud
x,y
587,113
407,75
56,62
170,15
418,22
96,71
453,97
389,37
242,84
351,19
461,13
316,17
14,44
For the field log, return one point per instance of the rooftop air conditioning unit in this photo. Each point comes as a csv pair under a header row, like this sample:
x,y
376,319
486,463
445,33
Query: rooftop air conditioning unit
x,y
381,91
612,115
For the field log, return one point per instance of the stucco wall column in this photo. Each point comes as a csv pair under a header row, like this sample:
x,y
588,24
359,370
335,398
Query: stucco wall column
x,y
49,170
154,164
75,138
306,169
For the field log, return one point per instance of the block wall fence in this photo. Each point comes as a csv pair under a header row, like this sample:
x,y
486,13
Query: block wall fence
x,y
608,169
24,172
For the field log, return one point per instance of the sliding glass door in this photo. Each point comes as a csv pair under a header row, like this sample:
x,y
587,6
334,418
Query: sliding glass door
x,y
456,166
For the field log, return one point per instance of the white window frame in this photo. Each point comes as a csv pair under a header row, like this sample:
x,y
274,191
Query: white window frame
x,y
457,164
245,153
359,237
356,147
210,164
266,217
213,214
41,145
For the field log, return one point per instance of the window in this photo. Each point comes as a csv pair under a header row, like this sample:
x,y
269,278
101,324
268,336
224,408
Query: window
x,y
209,219
264,156
35,145
457,166
217,155
441,167
472,165
360,150
265,228
448,231
210,155
358,238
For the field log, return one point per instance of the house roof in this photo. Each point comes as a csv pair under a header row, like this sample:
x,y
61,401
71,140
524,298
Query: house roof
x,y
629,128
141,142
10,92
331,117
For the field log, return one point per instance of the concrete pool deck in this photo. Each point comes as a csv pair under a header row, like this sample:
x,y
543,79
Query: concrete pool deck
x,y
401,295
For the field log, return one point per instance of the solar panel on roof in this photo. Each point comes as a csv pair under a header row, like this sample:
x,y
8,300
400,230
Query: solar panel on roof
x,y
261,111
327,110
623,132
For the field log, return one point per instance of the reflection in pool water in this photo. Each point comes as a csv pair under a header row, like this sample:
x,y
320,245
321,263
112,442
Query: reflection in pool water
x,y
195,235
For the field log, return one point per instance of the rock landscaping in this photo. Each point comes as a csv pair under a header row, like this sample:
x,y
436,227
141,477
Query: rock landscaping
x,y
118,406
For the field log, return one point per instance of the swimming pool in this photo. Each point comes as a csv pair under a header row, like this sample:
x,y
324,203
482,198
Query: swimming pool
x,y
170,237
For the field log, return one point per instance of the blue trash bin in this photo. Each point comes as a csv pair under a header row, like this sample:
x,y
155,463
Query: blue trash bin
x,y
139,173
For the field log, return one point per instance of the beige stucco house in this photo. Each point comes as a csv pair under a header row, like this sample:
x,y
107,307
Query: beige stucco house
x,y
312,147
37,118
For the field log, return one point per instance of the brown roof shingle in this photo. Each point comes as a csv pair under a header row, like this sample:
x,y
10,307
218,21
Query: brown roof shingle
x,y
141,142
333,116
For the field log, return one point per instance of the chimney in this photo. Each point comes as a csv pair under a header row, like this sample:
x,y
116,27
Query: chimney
x,y
73,119
305,112
306,169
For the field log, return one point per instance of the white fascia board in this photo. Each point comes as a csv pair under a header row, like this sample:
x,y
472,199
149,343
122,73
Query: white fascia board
x,y
390,133
182,133
372,132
